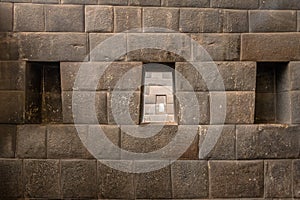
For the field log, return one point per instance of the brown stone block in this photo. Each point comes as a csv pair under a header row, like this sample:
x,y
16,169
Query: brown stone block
x,y
6,17
127,18
79,2
279,4
237,4
294,70
98,19
144,3
9,46
113,2
296,178
295,107
12,75
186,3
12,107
7,141
265,107
235,21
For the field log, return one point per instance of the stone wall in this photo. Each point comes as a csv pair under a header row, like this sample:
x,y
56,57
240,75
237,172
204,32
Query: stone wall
x,y
256,48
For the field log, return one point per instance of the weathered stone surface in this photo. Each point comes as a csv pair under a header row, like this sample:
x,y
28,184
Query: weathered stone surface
x,y
83,102
192,153
66,18
265,107
29,17
6,17
154,184
235,4
113,2
12,75
144,3
189,179
12,107
161,18
115,184
235,21
79,1
279,4
98,19
298,19
224,147
278,179
186,3
78,179
296,178
41,178
283,108
220,47
270,47
267,141
208,20
7,141
31,141
11,178
9,46
46,1
236,179
294,70
63,142
53,46
127,18
272,21
295,107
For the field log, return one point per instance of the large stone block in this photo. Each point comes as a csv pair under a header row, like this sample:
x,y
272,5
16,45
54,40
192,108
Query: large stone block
x,y
6,17
161,18
294,71
41,178
98,19
7,141
239,179
9,46
235,21
46,1
53,46
267,141
144,3
31,141
280,4
236,4
272,21
11,179
78,179
219,47
265,107
12,107
127,18
186,3
296,178
65,18
189,179
278,179
79,1
12,75
113,2
298,20
270,47
295,107
63,141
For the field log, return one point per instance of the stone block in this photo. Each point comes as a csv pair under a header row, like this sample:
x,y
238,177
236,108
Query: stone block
x,y
12,107
272,21
11,179
296,178
222,143
166,18
79,107
113,2
12,75
235,21
98,19
144,3
63,141
298,20
64,18
79,2
239,179
278,178
218,47
270,47
279,4
7,141
294,70
189,179
186,3
9,46
265,107
78,179
29,17
208,20
236,4
31,141
6,17
113,183
295,107
267,141
282,109
46,1
53,46
127,18
41,178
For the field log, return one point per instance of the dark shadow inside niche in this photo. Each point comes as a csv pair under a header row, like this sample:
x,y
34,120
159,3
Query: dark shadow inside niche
x,y
43,93
271,92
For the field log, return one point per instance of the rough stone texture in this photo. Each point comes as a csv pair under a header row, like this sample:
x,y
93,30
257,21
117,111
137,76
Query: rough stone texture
x,y
235,21
31,141
265,107
220,47
161,18
111,180
189,179
113,2
193,151
298,19
12,107
29,17
283,108
235,4
224,144
272,21
9,46
64,46
144,3
46,1
279,4
12,75
267,141
78,179
10,179
296,178
186,3
278,179
270,47
127,18
239,179
294,71
41,178
295,107
98,19
6,17
79,1
66,18
63,142
208,20
7,141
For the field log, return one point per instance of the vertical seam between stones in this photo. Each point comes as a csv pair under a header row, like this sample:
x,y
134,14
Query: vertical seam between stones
x,y
46,144
209,181
22,179
60,179
83,16
171,180
236,143
264,179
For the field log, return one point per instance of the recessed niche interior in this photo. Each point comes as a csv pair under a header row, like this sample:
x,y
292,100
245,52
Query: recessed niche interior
x,y
43,93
